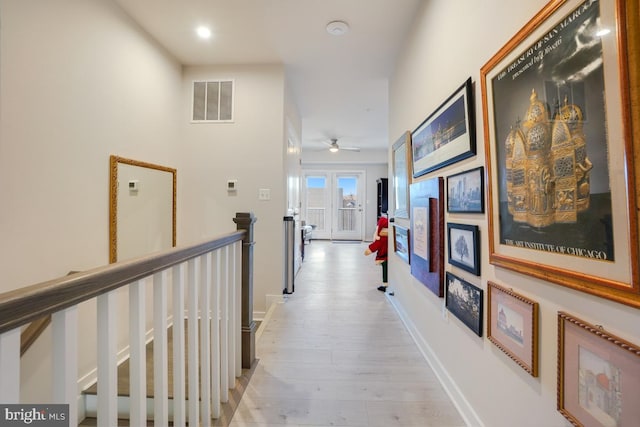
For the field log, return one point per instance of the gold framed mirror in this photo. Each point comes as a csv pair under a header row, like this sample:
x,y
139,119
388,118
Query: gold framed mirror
x,y
142,208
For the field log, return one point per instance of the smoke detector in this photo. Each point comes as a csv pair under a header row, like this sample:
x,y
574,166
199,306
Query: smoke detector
x,y
337,28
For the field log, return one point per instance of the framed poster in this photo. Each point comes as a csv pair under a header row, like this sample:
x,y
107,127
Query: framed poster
x,y
598,375
512,325
465,191
401,177
464,247
401,242
559,152
427,233
448,135
465,301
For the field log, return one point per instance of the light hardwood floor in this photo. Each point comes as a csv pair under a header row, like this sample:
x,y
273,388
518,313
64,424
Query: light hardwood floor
x,y
336,354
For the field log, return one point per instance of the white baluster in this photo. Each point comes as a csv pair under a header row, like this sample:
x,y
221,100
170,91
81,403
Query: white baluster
x,y
179,379
160,352
107,361
231,336
205,338
238,291
10,366
137,358
215,336
192,332
224,328
64,326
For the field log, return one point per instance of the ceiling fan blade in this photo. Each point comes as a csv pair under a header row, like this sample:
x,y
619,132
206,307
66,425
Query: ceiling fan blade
x,y
350,148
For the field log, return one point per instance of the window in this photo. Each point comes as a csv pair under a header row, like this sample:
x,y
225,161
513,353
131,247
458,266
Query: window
x,y
213,101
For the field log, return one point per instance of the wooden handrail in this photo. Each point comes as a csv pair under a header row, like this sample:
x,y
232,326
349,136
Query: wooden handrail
x,y
25,305
32,332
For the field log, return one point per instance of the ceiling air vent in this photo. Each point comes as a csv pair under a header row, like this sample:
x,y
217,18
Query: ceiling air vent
x,y
212,101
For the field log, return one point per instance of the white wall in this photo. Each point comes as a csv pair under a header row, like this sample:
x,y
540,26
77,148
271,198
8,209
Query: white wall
x,y
78,82
449,42
250,150
293,169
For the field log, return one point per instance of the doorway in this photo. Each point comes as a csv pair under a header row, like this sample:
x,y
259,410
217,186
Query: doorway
x,y
334,204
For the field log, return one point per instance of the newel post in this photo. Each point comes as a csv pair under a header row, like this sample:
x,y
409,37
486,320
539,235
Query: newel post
x,y
245,221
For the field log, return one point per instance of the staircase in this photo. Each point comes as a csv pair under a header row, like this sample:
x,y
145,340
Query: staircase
x,y
227,408
200,378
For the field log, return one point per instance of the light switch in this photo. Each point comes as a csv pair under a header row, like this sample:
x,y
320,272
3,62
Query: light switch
x,y
264,194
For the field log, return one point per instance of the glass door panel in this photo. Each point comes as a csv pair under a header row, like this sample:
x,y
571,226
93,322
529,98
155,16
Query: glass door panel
x,y
347,213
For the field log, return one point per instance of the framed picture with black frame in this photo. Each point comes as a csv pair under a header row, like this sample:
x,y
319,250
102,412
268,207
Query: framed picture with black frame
x,y
401,242
465,191
447,135
465,301
464,247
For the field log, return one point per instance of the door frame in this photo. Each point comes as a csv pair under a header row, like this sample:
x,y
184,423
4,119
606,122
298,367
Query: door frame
x,y
331,177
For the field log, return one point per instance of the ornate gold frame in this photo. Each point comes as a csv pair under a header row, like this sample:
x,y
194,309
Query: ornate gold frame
x,y
574,335
531,366
627,20
113,199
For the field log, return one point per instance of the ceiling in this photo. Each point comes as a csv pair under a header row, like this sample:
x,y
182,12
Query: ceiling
x,y
339,83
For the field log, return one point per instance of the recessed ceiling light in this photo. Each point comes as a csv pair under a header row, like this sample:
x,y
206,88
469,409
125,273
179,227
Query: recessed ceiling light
x,y
203,32
337,28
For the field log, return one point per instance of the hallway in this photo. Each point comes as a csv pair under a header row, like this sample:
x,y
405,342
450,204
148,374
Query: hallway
x,y
336,354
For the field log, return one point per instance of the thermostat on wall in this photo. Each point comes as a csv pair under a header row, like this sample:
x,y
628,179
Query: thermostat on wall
x,y
232,185
134,185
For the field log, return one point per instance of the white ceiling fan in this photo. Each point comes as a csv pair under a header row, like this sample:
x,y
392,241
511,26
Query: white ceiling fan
x,y
334,147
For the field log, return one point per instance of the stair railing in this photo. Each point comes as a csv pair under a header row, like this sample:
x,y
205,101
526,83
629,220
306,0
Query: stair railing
x,y
211,284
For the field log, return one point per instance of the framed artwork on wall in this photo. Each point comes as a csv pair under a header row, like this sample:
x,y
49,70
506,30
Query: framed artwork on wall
x,y
465,191
464,247
401,242
512,325
447,135
401,176
559,148
598,375
465,301
427,233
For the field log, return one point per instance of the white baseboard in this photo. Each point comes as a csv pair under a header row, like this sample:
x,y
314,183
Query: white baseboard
x,y
270,300
470,417
265,321
273,299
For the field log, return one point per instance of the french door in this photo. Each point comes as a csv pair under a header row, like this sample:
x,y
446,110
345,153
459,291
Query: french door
x,y
334,204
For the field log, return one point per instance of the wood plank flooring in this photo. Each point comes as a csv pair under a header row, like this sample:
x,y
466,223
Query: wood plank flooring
x,y
336,354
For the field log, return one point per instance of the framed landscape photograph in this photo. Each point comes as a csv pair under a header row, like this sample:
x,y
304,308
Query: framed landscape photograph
x,y
401,242
512,325
464,247
427,233
401,176
465,301
598,375
465,191
447,135
559,147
